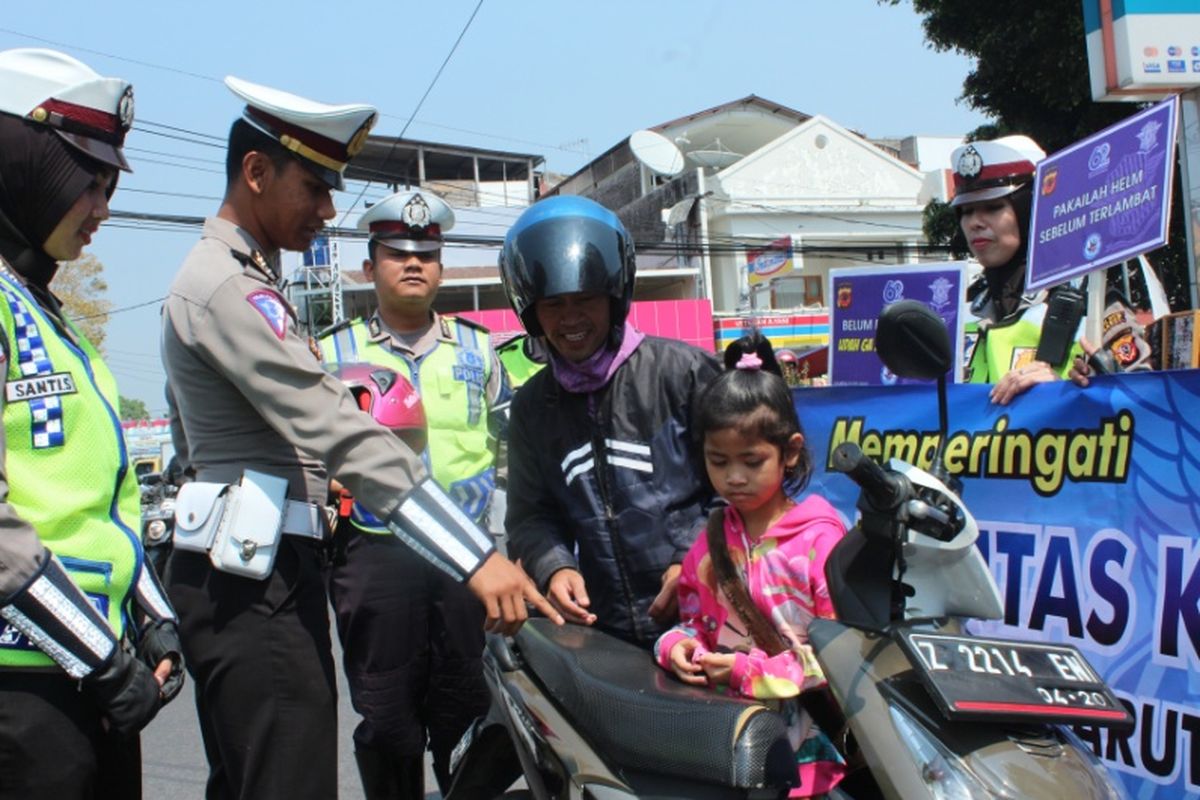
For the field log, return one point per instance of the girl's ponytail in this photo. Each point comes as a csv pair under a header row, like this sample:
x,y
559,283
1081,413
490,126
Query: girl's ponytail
x,y
752,345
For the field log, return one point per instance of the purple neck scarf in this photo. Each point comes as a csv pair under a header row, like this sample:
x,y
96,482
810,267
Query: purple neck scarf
x,y
598,368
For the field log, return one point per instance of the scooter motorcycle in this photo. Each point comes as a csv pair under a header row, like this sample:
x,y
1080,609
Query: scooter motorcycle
x,y
920,709
158,517
581,714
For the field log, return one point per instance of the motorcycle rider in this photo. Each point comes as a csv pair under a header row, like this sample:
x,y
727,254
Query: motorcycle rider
x,y
605,493
76,592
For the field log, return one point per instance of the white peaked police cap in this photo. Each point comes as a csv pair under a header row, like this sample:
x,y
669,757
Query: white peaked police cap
x,y
324,137
413,221
986,170
89,111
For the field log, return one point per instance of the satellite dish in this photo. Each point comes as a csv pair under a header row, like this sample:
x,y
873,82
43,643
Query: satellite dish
x,y
658,153
717,155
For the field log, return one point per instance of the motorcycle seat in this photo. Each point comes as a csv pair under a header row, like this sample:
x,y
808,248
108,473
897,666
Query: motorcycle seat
x,y
644,720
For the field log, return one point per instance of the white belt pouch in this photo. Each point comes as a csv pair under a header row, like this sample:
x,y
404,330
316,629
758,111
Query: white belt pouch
x,y
238,525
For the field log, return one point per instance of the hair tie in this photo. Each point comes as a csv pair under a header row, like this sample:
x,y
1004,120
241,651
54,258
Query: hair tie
x,y
749,361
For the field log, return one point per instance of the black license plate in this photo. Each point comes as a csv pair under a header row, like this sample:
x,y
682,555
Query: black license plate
x,y
973,678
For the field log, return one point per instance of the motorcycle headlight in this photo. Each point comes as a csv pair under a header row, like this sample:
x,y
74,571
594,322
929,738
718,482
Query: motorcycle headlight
x,y
156,531
944,772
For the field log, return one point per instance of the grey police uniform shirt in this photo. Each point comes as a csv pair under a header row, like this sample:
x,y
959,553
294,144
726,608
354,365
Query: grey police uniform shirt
x,y
248,392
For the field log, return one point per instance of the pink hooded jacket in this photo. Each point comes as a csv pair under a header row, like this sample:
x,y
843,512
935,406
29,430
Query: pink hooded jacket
x,y
785,575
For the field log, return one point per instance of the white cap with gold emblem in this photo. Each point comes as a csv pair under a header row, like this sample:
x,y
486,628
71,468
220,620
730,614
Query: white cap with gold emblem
x,y
89,111
325,137
412,221
986,170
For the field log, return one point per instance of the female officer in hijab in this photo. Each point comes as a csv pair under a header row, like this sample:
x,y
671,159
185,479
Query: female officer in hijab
x,y
993,194
88,643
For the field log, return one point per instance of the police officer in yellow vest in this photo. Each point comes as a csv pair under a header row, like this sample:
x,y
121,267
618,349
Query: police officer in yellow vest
x,y
76,593
411,636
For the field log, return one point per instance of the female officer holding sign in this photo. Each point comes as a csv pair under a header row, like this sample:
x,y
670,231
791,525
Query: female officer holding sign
x,y
1024,338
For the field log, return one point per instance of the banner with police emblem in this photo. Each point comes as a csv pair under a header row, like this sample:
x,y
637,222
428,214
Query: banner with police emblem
x,y
1088,505
860,293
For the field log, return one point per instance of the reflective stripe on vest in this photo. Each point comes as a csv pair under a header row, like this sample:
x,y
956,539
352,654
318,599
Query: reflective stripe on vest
x,y
67,467
452,381
1003,347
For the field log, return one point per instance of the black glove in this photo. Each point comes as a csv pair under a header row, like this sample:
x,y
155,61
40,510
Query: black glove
x,y
126,691
1103,362
161,640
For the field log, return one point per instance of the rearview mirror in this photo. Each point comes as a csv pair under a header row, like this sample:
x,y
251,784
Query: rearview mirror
x,y
912,341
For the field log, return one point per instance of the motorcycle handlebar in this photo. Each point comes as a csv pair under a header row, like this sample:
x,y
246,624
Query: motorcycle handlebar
x,y
883,489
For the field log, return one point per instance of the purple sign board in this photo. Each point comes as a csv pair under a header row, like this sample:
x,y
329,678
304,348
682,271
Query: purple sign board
x,y
1104,199
860,293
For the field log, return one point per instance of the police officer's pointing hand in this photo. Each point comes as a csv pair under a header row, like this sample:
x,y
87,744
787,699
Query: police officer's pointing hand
x,y
504,588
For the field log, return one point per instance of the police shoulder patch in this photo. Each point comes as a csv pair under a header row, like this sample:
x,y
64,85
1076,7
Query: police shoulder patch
x,y
272,308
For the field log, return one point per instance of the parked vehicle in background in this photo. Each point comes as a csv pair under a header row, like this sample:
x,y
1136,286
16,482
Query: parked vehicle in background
x,y
158,516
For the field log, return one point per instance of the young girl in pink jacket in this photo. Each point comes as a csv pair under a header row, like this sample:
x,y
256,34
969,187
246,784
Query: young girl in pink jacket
x,y
751,585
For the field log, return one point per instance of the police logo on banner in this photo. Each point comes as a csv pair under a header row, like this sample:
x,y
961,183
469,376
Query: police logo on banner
x,y
270,305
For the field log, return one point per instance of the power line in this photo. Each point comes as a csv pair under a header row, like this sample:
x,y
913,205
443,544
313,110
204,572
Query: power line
x,y
213,79
125,189
179,138
119,310
129,149
109,55
420,102
220,139
180,166
719,245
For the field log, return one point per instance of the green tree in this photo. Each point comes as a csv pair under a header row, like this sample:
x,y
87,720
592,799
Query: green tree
x,y
1031,76
133,409
81,286
940,224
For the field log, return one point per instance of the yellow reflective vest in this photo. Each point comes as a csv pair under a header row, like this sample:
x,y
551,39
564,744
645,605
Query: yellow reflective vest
x,y
67,466
452,380
517,363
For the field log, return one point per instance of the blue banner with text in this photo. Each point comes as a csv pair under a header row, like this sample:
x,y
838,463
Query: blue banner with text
x,y
1088,504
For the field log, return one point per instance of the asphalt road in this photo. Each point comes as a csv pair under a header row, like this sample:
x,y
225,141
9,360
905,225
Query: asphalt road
x,y
173,765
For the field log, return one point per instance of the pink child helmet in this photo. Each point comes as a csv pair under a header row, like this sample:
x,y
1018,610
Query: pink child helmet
x,y
388,397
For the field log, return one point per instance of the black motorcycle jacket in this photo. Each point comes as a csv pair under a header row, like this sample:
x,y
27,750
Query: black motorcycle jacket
x,y
609,483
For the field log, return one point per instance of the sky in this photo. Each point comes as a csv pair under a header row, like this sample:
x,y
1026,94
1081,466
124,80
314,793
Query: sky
x,y
558,78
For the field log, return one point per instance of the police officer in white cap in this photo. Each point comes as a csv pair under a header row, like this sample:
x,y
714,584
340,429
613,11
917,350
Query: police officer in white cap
x,y
424,681
993,195
253,408
88,642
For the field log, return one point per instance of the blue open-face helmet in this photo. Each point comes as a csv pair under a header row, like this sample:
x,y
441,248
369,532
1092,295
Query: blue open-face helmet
x,y
567,244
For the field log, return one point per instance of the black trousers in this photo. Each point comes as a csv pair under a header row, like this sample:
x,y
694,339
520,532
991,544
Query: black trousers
x,y
260,655
53,745
412,639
